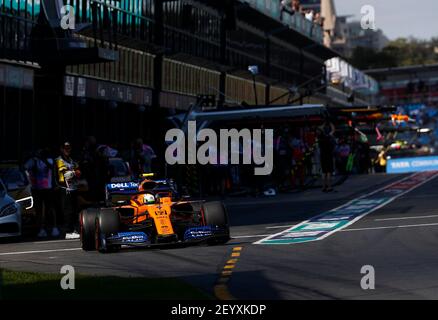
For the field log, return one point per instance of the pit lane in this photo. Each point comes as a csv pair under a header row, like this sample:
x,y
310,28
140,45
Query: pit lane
x,y
323,269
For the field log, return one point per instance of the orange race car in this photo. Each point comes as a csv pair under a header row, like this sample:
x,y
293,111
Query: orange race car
x,y
148,213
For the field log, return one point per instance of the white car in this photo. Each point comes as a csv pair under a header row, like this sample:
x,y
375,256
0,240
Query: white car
x,y
10,215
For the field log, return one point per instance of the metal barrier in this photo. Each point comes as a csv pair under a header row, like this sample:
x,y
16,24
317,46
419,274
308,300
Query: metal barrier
x,y
296,21
101,19
17,19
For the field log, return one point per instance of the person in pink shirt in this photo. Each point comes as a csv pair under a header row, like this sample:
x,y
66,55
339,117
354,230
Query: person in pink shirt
x,y
40,171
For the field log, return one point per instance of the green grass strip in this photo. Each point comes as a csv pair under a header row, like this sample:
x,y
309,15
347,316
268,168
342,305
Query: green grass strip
x,y
15,285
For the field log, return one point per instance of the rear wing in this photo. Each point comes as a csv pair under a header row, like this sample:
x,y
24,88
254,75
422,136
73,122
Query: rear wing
x,y
122,188
119,193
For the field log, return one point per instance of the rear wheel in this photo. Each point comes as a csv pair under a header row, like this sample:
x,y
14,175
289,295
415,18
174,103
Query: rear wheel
x,y
88,228
215,214
106,224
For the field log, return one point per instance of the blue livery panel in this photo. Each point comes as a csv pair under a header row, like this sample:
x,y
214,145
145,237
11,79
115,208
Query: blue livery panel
x,y
130,237
197,233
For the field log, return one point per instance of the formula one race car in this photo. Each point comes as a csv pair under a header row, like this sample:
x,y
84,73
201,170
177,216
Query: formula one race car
x,y
149,213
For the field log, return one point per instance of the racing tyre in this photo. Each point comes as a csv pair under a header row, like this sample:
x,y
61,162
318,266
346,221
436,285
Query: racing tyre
x,y
107,222
214,213
88,228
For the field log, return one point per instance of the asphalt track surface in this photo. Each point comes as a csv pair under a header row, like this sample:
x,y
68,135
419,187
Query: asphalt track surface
x,y
400,240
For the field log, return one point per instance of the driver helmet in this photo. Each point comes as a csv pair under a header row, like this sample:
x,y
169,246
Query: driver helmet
x,y
149,198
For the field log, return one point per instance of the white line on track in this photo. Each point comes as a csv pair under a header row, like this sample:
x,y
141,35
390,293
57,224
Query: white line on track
x,y
251,236
407,218
392,227
53,241
279,227
38,251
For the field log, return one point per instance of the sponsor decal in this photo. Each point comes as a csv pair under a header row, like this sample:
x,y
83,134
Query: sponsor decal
x,y
122,186
327,223
130,237
417,164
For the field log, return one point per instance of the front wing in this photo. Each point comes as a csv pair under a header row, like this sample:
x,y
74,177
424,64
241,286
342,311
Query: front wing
x,y
191,235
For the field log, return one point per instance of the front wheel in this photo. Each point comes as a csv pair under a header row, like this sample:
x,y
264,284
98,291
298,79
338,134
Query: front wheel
x,y
215,214
88,228
106,224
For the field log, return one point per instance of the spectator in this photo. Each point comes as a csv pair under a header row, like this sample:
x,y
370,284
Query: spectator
x,y
309,141
326,142
286,6
219,173
141,157
309,15
380,162
283,158
298,151
318,19
363,152
89,166
103,174
40,170
260,181
234,169
296,6
364,157
342,153
67,175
